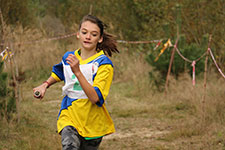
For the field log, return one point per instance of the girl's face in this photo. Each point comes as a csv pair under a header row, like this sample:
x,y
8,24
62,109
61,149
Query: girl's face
x,y
89,35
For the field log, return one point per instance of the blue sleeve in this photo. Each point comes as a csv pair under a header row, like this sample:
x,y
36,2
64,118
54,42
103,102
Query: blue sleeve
x,y
105,60
58,70
101,99
65,56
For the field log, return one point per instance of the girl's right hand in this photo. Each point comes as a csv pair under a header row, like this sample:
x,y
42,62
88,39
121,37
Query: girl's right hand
x,y
41,89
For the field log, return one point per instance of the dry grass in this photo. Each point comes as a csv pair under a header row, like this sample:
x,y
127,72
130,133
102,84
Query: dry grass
x,y
34,54
144,119
37,127
179,120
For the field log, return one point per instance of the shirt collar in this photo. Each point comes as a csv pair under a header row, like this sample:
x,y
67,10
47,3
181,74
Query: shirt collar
x,y
88,59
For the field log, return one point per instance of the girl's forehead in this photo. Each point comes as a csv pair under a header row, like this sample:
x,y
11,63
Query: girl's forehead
x,y
88,25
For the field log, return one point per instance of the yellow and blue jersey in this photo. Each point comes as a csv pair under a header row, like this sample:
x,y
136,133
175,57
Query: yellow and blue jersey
x,y
90,120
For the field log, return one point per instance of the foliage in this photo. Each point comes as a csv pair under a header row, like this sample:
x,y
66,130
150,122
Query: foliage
x,y
17,12
127,19
190,51
3,77
7,101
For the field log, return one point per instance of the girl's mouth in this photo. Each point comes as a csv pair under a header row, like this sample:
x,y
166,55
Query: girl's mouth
x,y
87,42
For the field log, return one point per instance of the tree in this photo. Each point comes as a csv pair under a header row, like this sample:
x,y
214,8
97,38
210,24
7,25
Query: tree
x,y
17,12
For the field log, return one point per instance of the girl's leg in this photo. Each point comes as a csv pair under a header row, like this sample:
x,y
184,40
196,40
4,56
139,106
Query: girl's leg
x,y
70,138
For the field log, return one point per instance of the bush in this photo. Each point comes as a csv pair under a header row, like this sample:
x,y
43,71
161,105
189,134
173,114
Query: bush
x,y
190,51
7,101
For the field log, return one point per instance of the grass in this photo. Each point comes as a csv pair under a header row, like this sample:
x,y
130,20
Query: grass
x,y
144,119
36,129
151,122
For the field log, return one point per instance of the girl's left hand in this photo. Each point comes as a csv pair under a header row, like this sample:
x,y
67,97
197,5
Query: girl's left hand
x,y
74,63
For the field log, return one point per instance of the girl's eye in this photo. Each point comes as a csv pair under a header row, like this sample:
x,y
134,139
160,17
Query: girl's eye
x,y
83,32
94,34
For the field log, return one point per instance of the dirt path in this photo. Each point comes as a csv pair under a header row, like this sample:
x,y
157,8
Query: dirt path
x,y
143,132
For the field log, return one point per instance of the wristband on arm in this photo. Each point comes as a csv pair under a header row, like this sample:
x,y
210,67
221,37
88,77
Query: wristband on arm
x,y
47,83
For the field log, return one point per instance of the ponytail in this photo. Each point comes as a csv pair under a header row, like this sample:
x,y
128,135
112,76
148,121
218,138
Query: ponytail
x,y
108,45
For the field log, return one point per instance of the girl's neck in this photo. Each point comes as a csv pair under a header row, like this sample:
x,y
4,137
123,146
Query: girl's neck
x,y
85,54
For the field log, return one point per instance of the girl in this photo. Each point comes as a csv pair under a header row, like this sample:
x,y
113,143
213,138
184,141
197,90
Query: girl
x,y
87,72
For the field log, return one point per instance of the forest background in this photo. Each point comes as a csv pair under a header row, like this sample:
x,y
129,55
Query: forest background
x,y
186,117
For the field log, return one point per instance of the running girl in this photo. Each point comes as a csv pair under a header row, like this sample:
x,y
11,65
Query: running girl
x,y
83,119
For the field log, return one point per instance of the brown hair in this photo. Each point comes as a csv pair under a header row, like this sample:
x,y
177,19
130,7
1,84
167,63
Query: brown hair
x,y
108,45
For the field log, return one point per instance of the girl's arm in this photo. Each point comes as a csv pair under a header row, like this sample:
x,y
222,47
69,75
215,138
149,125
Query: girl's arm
x,y
43,87
86,86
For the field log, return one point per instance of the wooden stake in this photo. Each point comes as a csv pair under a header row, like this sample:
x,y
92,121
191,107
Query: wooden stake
x,y
12,67
171,62
206,61
3,28
15,85
90,10
2,21
205,79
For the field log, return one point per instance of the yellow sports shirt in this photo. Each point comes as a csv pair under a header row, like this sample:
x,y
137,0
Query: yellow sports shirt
x,y
90,120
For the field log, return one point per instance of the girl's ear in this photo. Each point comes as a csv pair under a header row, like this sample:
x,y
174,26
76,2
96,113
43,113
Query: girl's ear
x,y
78,35
100,40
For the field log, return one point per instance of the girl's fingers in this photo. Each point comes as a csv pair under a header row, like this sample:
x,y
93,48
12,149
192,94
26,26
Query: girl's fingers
x,y
72,59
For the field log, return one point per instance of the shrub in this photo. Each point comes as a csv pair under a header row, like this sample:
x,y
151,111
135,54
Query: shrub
x,y
190,51
7,101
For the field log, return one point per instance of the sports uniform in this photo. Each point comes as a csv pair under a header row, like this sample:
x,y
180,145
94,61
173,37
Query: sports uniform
x,y
90,120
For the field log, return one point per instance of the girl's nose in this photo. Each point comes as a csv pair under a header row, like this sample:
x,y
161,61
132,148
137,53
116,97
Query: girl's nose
x,y
88,36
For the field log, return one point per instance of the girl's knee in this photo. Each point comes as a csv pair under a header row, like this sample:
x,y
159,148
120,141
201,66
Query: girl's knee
x,y
70,139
